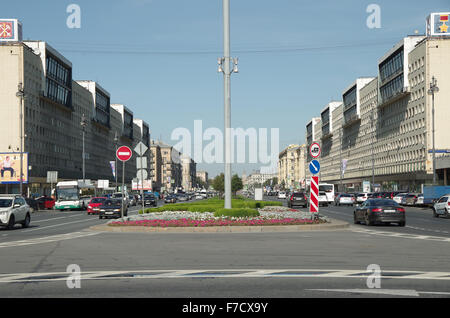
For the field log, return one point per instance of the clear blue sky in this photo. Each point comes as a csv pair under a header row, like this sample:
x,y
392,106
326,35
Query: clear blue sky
x,y
159,57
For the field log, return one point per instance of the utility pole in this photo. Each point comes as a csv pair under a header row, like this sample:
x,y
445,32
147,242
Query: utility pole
x,y
83,127
226,70
21,93
372,148
433,89
340,159
116,143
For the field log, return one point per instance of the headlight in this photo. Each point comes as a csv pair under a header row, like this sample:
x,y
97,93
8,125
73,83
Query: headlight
x,y
90,206
102,210
116,210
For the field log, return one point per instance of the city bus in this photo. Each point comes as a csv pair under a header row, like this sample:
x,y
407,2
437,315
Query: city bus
x,y
68,195
329,190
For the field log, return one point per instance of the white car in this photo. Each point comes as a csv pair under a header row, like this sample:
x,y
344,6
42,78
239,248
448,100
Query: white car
x,y
282,195
361,197
14,210
442,206
398,198
346,199
323,200
420,200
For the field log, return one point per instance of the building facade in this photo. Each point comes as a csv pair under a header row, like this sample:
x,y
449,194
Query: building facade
x,y
383,132
48,123
291,167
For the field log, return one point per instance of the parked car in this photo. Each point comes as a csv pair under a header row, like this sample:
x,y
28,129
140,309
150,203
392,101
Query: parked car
x,y
298,198
14,210
33,204
375,211
323,200
45,202
398,198
198,196
411,198
149,199
282,195
420,200
442,206
112,208
345,199
94,205
361,197
171,198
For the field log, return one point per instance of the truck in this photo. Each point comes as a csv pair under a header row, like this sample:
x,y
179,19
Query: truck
x,y
433,193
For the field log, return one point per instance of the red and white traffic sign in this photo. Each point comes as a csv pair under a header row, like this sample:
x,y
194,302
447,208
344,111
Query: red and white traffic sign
x,y
314,150
314,195
124,153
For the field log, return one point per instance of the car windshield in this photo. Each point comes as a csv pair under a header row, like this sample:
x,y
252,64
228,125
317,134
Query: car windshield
x,y
66,194
112,202
149,196
326,188
5,203
98,200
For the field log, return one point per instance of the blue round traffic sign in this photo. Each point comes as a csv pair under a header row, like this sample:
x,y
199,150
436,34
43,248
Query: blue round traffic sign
x,y
314,166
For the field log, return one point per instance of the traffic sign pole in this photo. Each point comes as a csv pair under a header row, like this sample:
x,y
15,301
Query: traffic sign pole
x,y
124,154
314,195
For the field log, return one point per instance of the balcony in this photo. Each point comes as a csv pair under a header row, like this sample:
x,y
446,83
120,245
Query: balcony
x,y
404,92
350,120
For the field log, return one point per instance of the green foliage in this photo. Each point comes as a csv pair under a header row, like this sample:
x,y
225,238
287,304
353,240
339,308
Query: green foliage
x,y
236,184
218,183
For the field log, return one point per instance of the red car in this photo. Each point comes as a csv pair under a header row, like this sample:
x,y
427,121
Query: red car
x,y
46,202
93,206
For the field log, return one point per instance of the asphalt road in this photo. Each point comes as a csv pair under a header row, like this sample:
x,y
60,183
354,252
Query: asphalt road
x,y
413,261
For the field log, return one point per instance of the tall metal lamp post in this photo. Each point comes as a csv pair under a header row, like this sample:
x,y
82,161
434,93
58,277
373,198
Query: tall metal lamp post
x,y
21,94
225,68
433,89
83,124
116,143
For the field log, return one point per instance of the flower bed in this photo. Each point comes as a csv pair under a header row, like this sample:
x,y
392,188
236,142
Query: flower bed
x,y
216,222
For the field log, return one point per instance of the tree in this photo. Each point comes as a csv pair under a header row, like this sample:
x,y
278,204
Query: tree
x,y
236,184
218,183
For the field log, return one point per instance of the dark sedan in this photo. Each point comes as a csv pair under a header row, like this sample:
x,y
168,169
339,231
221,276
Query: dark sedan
x,y
170,199
379,211
112,208
149,199
298,198
34,205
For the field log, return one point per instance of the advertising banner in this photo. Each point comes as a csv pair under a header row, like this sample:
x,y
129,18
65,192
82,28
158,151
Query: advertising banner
x,y
10,167
137,185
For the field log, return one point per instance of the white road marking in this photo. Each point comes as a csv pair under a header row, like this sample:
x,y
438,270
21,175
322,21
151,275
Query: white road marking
x,y
392,292
401,235
57,225
47,239
229,273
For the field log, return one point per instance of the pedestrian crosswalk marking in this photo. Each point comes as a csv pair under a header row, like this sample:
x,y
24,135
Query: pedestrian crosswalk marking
x,y
47,239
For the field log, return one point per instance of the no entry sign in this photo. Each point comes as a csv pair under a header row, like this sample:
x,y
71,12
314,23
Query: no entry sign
x,y
124,153
314,195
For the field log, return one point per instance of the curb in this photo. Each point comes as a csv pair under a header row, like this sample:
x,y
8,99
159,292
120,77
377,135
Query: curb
x,y
333,225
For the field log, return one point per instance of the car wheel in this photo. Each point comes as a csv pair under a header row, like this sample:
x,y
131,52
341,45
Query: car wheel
x,y
435,214
11,223
402,223
26,223
100,217
355,221
367,220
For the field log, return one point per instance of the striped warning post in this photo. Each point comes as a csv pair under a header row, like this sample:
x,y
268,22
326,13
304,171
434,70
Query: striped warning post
x,y
314,195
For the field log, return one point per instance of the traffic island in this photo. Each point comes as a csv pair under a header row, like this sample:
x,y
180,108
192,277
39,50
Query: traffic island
x,y
269,219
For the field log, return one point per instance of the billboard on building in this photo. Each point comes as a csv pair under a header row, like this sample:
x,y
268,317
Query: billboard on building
x,y
137,185
10,167
10,30
438,24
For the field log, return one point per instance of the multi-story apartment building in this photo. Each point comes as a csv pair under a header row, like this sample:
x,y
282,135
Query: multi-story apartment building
x,y
291,166
383,132
257,178
188,172
171,168
156,165
202,176
54,106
